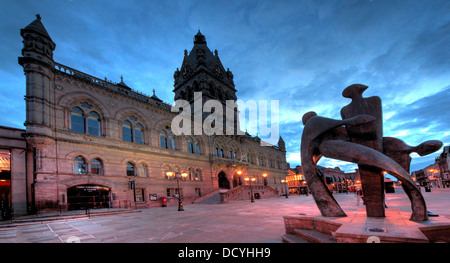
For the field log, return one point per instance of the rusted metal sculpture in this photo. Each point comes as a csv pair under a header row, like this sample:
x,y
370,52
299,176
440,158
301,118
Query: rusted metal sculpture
x,y
358,138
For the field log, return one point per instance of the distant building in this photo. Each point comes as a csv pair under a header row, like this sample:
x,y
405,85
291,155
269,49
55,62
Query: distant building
x,y
436,174
90,142
336,180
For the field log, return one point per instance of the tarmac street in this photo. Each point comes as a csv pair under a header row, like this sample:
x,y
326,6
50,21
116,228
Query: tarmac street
x,y
234,222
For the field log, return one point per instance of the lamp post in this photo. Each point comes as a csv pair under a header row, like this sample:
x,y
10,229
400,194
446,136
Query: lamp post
x,y
287,192
178,177
248,179
264,175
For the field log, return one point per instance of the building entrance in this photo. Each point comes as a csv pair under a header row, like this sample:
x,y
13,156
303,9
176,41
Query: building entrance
x,y
88,196
223,181
5,184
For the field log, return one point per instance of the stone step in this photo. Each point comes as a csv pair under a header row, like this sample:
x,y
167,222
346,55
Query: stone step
x,y
315,236
289,238
27,220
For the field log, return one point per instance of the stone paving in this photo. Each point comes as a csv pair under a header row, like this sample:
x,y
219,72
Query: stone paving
x,y
234,222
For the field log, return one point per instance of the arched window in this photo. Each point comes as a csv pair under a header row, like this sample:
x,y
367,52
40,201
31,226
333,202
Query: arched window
x,y
83,119
261,159
233,152
219,150
77,120
271,161
96,166
79,165
166,169
132,130
193,145
93,123
250,157
198,175
142,170
130,169
166,138
191,173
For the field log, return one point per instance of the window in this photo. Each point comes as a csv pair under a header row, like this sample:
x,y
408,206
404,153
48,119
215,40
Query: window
x,y
190,147
97,166
219,150
126,131
270,162
77,120
173,192
198,175
166,168
166,138
233,153
138,136
84,120
79,165
193,145
261,159
93,123
130,169
142,170
132,130
250,157
139,195
191,173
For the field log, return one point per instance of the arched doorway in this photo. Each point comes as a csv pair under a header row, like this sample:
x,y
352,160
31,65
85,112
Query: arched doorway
x,y
88,195
223,181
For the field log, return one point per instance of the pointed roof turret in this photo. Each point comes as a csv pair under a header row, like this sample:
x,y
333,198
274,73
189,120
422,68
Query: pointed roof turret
x,y
199,38
38,46
37,27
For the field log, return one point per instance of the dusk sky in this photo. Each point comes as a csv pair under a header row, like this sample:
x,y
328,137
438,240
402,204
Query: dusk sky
x,y
302,53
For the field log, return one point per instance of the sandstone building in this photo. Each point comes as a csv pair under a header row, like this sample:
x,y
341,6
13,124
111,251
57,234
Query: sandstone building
x,y
89,141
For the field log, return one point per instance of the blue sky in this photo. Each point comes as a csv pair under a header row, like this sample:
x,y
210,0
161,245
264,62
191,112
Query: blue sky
x,y
302,53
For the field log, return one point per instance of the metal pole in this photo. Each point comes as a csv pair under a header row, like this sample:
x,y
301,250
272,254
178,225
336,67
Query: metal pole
x,y
180,204
251,192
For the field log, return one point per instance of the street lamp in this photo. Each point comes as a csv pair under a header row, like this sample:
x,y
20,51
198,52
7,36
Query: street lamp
x,y
264,175
248,179
287,192
178,177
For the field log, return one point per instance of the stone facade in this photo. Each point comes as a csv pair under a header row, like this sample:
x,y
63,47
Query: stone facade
x,y
103,141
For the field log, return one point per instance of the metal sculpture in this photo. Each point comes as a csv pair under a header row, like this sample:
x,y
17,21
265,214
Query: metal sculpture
x,y
358,138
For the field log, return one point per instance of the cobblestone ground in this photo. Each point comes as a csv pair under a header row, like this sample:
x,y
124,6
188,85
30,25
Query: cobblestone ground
x,y
235,222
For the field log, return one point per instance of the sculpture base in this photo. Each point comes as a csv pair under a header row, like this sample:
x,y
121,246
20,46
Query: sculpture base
x,y
395,227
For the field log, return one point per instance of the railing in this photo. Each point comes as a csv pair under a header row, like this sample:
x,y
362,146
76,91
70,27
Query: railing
x,y
109,84
239,192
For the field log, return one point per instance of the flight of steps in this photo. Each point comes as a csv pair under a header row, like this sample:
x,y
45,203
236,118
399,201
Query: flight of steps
x,y
308,236
305,229
54,217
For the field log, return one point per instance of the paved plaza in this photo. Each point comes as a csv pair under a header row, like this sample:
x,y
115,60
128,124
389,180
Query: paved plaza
x,y
234,222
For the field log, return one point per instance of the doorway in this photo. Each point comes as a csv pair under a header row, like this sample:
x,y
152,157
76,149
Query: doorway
x,y
223,181
5,184
88,196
